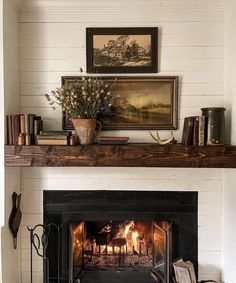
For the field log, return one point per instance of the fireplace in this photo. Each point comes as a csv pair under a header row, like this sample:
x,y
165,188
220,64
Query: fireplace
x,y
127,246
119,236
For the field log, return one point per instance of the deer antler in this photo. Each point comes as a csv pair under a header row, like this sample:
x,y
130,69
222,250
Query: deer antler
x,y
165,141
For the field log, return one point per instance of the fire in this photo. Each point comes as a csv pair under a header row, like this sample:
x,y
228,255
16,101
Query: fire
x,y
127,228
135,241
128,239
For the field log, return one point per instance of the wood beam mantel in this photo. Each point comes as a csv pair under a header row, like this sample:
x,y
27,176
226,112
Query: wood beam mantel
x,y
130,155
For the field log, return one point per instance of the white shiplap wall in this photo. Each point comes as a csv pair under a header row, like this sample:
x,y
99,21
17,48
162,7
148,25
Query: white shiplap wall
x,y
191,45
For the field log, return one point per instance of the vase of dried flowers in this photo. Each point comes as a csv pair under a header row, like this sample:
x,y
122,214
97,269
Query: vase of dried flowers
x,y
83,101
86,129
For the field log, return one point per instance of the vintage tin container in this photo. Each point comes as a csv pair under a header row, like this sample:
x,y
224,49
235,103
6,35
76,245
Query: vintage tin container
x,y
215,125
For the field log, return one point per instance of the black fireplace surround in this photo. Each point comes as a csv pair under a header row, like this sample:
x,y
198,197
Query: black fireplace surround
x,y
92,246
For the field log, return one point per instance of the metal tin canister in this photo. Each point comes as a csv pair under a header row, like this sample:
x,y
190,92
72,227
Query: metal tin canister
x,y
215,125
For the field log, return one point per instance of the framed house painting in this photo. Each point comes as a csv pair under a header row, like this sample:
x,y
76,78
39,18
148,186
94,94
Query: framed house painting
x,y
122,50
138,103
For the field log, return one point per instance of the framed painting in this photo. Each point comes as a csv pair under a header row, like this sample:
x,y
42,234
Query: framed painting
x,y
138,103
122,50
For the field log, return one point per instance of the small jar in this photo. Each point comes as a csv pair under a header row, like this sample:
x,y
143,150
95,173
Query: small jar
x,y
215,125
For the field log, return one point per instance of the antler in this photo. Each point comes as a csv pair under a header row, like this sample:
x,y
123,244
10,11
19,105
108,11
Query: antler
x,y
165,141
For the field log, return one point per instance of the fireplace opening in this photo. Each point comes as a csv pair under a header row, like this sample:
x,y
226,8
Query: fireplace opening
x,y
119,236
127,246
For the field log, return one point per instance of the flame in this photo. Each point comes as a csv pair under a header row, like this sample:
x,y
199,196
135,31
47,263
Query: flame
x,y
127,228
135,241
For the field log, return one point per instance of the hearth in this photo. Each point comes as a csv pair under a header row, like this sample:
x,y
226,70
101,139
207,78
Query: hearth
x,y
120,236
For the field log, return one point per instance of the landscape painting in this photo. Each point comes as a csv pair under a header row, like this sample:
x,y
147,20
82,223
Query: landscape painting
x,y
140,103
113,50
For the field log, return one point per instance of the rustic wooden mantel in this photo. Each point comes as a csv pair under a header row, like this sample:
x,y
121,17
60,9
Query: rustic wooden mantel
x,y
129,155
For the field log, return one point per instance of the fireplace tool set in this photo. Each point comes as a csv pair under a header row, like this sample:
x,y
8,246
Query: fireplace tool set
x,y
37,242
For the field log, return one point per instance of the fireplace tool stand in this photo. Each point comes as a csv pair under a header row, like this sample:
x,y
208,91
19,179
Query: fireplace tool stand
x,y
37,242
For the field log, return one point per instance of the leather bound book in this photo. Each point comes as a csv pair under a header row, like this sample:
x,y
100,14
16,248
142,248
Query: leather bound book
x,y
27,128
15,128
202,130
187,137
9,129
38,125
22,124
31,123
196,130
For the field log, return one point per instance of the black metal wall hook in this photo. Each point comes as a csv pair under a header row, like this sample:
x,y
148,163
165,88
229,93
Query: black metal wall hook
x,y
38,242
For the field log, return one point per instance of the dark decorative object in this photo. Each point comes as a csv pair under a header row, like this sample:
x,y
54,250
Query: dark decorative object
x,y
42,242
122,50
215,121
137,103
15,217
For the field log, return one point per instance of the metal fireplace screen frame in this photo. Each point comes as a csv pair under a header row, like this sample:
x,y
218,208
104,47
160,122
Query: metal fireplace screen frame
x,y
158,258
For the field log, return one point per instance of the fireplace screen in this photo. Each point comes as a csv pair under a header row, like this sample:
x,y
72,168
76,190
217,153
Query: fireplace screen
x,y
128,246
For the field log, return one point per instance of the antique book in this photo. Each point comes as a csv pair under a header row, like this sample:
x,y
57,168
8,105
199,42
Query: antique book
x,y
112,140
184,272
191,271
196,130
22,124
27,127
39,137
187,137
51,142
55,133
202,130
38,125
15,128
9,129
31,123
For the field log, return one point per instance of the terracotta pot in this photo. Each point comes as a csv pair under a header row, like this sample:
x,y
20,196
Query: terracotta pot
x,y
86,129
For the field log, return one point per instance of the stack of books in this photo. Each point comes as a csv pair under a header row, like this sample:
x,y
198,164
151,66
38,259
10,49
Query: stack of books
x,y
194,131
23,128
53,138
112,140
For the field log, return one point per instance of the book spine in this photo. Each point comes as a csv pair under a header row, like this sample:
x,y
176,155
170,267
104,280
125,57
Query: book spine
x,y
52,142
196,131
38,125
55,133
22,124
27,128
31,127
187,138
39,137
15,128
31,124
202,126
9,129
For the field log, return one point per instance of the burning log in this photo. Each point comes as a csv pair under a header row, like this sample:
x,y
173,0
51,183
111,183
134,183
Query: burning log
x,y
119,242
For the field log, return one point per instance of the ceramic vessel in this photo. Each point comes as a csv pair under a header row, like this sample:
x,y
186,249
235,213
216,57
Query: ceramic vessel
x,y
86,129
215,125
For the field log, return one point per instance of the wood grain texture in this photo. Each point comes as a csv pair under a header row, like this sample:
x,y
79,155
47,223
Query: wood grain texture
x,y
131,155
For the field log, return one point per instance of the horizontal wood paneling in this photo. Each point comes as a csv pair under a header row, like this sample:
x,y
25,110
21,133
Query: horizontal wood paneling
x,y
166,65
125,16
166,28
191,45
132,4
168,52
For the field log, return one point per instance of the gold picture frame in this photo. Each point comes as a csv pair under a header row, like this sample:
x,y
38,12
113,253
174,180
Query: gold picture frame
x,y
138,103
